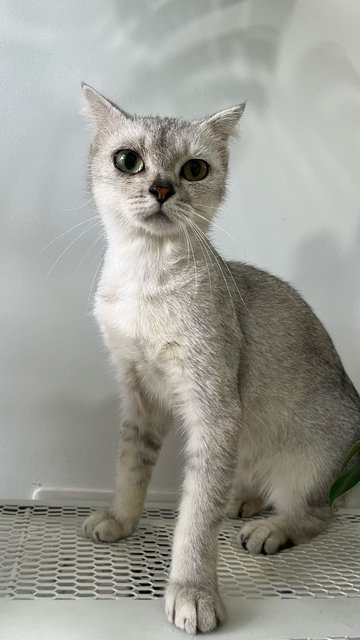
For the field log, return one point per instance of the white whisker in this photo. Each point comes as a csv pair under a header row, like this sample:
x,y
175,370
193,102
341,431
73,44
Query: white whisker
x,y
102,235
228,269
202,246
193,255
81,206
218,264
186,236
67,249
94,278
211,222
64,233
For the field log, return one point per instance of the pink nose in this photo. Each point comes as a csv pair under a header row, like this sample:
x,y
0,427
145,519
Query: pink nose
x,y
162,191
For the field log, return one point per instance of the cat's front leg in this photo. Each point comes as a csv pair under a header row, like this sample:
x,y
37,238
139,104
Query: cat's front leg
x,y
192,600
144,424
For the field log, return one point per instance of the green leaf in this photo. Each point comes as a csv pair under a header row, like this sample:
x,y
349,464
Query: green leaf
x,y
353,450
344,483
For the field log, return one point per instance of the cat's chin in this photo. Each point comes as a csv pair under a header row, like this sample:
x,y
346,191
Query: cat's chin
x,y
159,223
159,217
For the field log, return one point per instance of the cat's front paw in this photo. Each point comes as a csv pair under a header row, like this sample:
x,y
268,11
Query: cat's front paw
x,y
193,608
101,526
264,536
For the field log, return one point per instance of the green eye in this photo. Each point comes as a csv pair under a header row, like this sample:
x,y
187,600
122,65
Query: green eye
x,y
194,170
128,161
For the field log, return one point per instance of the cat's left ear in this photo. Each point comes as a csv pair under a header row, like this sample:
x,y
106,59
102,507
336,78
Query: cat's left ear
x,y
99,108
224,123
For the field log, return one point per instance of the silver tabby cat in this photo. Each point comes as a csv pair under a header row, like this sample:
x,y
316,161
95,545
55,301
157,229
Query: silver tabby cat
x,y
229,353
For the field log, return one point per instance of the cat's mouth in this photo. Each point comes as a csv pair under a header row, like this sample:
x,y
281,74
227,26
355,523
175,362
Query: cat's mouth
x,y
158,216
159,220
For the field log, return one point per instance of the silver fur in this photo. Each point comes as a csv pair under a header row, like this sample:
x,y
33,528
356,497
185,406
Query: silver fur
x,y
229,353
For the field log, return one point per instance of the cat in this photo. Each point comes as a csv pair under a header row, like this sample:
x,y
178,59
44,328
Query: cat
x,y
230,353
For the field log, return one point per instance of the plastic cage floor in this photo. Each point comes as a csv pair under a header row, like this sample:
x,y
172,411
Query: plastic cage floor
x,y
43,555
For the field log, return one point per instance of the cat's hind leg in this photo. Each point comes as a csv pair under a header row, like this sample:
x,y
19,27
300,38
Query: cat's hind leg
x,y
246,499
244,503
298,494
273,534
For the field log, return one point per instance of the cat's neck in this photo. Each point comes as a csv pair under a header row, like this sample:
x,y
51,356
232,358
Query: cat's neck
x,y
143,258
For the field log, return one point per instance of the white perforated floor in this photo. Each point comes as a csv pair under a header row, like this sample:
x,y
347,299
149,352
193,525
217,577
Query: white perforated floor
x,y
44,556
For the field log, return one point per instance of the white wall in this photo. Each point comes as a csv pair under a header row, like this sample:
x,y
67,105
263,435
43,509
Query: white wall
x,y
293,203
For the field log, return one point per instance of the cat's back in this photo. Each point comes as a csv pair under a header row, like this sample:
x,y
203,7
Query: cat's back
x,y
274,312
289,360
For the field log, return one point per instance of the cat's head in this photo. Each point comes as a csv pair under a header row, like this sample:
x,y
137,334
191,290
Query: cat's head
x,y
153,174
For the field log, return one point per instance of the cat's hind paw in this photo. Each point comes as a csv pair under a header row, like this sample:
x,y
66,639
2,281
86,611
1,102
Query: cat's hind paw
x,y
101,526
264,536
193,608
244,508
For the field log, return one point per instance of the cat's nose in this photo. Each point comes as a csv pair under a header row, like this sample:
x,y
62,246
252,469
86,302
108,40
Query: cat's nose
x,y
162,190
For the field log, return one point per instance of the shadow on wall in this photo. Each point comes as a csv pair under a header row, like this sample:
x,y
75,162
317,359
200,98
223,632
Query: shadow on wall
x,y
217,57
330,274
326,267
330,94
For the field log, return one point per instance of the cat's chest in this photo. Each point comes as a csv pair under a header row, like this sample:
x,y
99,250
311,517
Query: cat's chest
x,y
137,324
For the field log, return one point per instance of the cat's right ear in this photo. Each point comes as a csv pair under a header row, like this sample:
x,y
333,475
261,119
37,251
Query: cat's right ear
x,y
99,109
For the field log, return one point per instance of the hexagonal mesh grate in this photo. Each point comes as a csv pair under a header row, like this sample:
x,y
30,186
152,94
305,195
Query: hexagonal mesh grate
x,y
43,555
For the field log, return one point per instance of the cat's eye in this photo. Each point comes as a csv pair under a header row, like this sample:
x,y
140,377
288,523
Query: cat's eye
x,y
128,161
194,170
